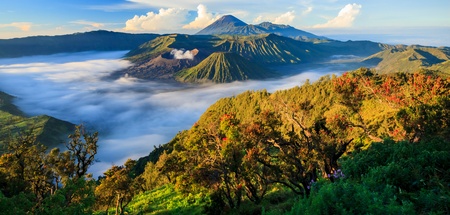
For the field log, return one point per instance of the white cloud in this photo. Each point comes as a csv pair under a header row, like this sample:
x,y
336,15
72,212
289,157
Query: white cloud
x,y
203,18
23,26
258,19
88,23
344,19
307,11
285,18
165,20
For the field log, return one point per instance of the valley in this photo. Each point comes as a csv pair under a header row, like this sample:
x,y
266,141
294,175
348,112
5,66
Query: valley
x,y
234,118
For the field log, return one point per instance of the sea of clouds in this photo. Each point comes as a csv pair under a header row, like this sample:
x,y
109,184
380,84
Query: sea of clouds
x,y
131,115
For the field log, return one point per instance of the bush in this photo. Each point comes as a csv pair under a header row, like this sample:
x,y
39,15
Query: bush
x,y
387,178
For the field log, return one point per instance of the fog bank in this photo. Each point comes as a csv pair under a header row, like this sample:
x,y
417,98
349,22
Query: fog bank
x,y
131,115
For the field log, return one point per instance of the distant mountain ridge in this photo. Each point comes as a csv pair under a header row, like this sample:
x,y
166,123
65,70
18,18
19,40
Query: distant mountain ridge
x,y
403,58
230,25
79,42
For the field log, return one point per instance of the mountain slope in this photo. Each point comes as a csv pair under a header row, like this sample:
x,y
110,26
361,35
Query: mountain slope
x,y
230,25
270,49
363,48
78,42
410,58
287,31
164,44
222,67
48,130
153,59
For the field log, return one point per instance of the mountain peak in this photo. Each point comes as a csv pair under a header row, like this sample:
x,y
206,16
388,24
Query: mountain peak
x,y
230,25
223,25
230,19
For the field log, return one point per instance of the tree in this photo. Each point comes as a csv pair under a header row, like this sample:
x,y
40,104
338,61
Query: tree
x,y
25,168
152,174
118,186
58,181
82,152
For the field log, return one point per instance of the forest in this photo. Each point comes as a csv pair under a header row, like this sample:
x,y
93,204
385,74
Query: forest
x,y
357,143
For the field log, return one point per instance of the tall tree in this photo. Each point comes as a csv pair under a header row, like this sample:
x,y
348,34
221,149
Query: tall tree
x,y
117,187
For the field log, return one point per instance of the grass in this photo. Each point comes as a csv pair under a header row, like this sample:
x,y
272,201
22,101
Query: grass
x,y
166,200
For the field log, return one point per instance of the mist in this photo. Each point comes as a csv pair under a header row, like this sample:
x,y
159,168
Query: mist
x,y
131,115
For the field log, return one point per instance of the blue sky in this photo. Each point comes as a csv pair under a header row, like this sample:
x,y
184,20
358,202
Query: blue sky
x,y
355,19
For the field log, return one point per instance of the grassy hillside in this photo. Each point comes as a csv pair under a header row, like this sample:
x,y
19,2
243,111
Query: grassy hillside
x,y
222,67
166,43
409,58
48,130
266,48
270,49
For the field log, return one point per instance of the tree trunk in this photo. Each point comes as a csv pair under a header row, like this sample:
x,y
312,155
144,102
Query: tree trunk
x,y
117,204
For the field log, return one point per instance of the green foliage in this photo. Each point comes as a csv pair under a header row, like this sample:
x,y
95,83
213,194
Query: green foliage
x,y
153,156
17,204
345,197
76,197
152,175
117,187
387,178
47,182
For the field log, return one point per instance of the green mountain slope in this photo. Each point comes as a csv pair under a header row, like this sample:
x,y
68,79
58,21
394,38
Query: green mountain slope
x,y
221,67
153,59
270,49
411,58
164,44
48,130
